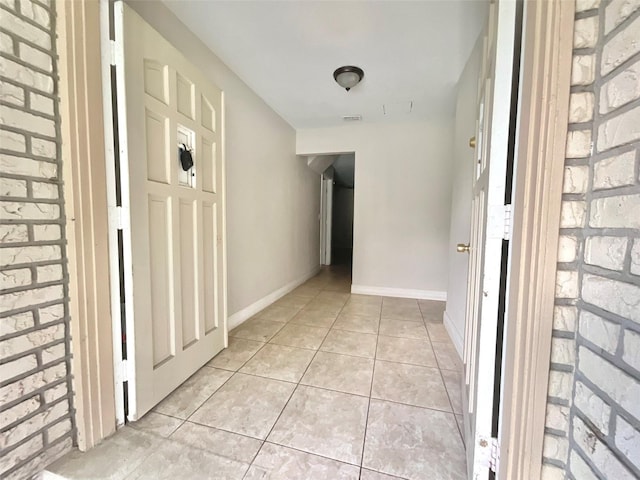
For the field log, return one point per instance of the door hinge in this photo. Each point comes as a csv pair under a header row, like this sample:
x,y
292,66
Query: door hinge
x,y
123,371
488,452
507,222
117,217
112,52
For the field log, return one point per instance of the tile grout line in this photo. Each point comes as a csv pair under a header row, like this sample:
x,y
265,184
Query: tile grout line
x,y
290,397
373,373
297,384
285,405
329,329
446,389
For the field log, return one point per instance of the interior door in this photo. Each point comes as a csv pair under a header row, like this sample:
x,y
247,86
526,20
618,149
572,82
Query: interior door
x,y
173,215
487,234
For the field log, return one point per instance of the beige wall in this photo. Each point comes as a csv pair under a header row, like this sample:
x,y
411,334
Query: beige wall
x,y
401,205
272,197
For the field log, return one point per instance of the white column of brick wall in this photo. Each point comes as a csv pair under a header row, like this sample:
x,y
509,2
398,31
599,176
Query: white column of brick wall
x,y
36,421
593,414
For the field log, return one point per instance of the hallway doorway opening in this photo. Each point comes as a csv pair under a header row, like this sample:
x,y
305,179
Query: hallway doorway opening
x,y
337,207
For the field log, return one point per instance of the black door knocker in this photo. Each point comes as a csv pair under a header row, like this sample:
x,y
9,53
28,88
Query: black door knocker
x,y
186,159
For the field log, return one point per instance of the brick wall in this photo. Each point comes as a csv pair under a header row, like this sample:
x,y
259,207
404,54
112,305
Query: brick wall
x,y
593,413
36,423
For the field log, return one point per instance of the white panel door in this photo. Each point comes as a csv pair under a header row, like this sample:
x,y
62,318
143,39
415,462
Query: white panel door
x,y
487,234
173,225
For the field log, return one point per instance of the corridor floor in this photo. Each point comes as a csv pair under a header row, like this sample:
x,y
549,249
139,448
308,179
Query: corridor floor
x,y
320,385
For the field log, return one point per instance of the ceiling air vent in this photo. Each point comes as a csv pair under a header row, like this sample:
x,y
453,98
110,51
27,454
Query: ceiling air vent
x,y
352,118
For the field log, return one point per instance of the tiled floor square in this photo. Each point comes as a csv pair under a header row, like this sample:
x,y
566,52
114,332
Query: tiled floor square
x,y
437,332
453,383
278,313
408,311
282,463
406,350
410,384
186,399
300,336
330,424
257,329
247,405
279,362
447,356
340,372
227,444
158,424
357,323
307,291
460,422
371,475
113,459
291,300
414,443
336,298
403,328
364,300
314,318
330,308
350,343
173,461
432,307
236,354
362,309
435,317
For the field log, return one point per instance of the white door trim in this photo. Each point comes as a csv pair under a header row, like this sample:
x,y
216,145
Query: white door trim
x,y
545,81
326,219
85,148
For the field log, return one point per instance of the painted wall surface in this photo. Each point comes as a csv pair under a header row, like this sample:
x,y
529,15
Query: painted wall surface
x,y
402,201
273,198
461,195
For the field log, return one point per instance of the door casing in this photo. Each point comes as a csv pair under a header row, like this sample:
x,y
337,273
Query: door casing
x,y
541,138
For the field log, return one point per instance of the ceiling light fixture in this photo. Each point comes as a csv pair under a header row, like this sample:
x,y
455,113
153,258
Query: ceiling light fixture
x,y
348,76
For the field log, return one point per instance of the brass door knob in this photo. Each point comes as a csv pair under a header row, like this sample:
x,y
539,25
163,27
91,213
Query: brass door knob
x,y
472,142
463,248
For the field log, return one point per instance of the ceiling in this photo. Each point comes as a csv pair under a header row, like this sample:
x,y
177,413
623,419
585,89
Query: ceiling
x,y
412,53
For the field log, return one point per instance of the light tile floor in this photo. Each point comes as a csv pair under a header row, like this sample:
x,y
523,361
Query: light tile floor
x,y
320,385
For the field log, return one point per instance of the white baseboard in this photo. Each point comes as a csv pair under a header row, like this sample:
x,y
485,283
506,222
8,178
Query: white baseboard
x,y
399,292
454,333
239,317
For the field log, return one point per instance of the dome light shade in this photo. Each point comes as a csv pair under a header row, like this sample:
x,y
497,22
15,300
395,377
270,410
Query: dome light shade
x,y
348,76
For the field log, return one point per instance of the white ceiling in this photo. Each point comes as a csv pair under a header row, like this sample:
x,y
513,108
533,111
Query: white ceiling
x,y
286,51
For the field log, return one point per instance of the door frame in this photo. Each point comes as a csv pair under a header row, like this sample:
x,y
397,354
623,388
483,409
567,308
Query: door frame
x,y
326,219
543,123
84,149
541,138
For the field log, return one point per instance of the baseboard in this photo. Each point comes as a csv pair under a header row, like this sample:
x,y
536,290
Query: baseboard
x,y
239,317
454,333
399,292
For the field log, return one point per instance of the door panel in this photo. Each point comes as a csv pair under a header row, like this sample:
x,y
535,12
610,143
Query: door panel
x,y
488,234
159,261
174,230
188,272
156,135
210,266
